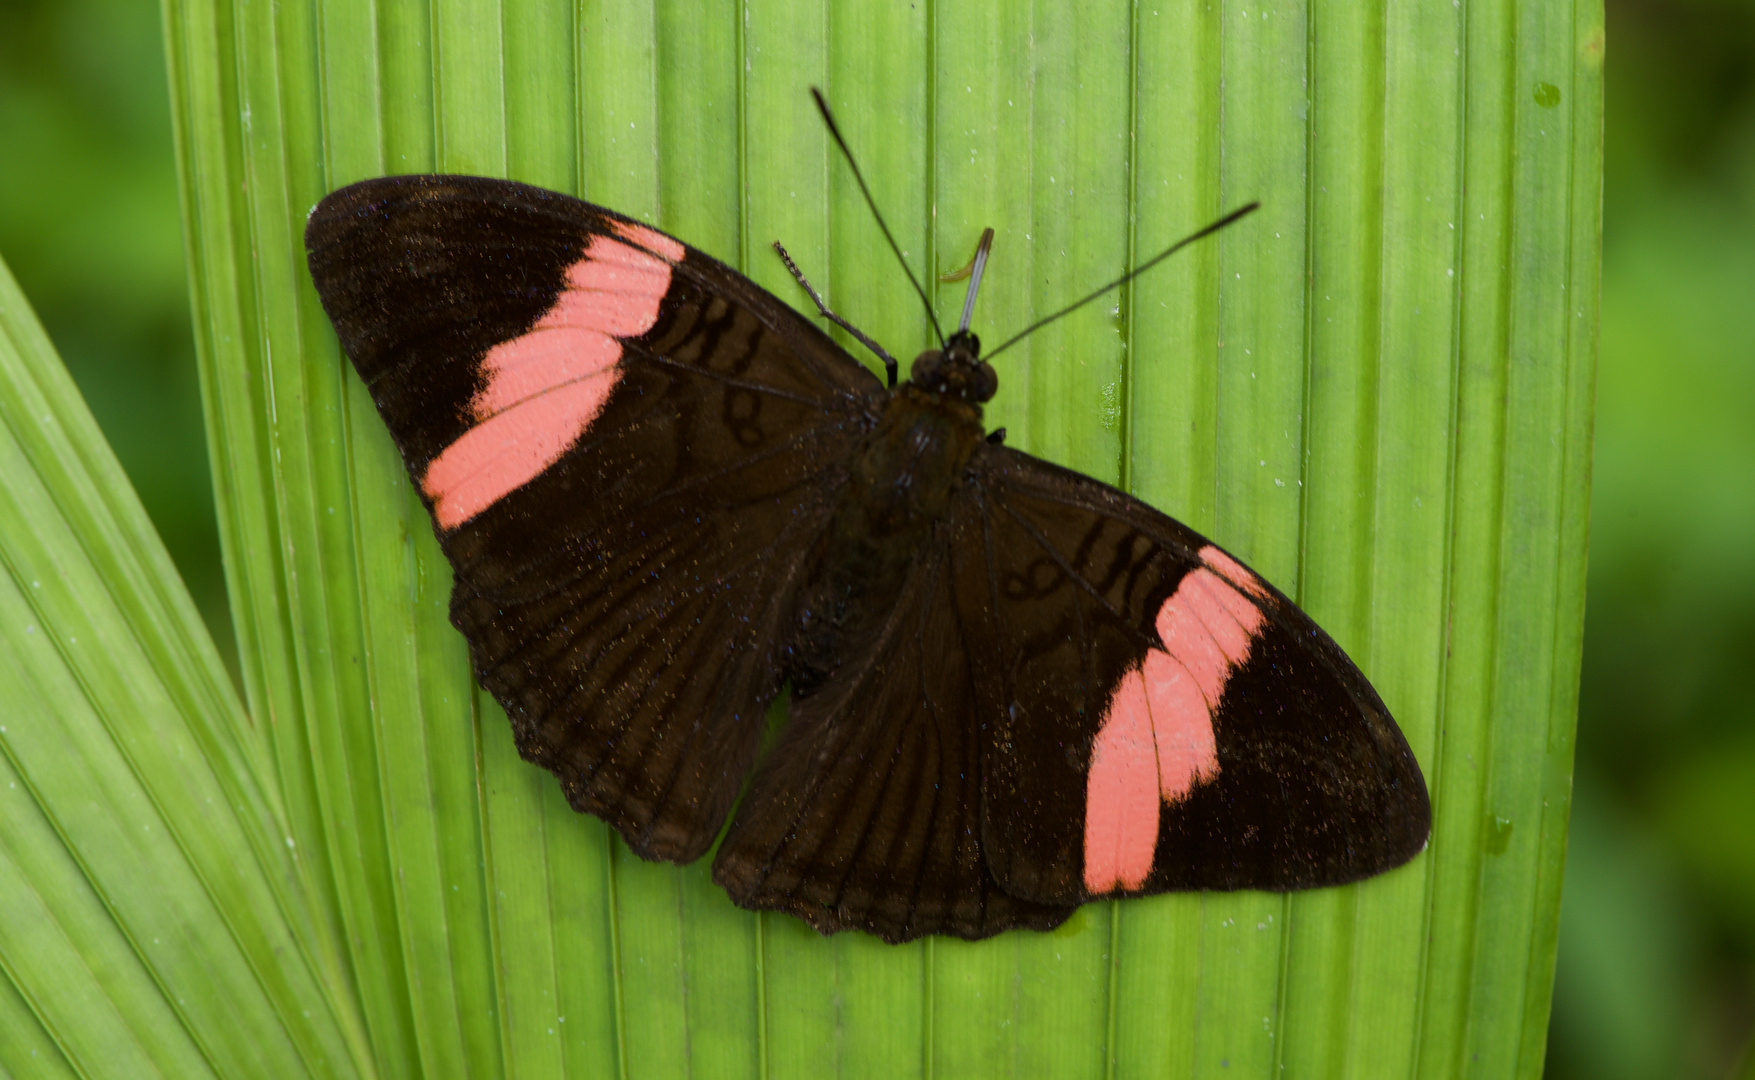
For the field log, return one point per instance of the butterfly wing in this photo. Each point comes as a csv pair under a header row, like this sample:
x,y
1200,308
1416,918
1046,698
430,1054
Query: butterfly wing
x,y
1070,696
629,452
1158,717
866,814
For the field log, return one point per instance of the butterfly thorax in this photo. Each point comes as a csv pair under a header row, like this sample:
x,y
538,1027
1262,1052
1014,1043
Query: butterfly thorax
x,y
905,474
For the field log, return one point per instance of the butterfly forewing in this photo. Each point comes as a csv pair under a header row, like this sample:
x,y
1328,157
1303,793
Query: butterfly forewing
x,y
1196,729
628,452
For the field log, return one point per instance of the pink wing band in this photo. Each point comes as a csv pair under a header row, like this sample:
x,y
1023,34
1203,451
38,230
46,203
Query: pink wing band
x,y
504,453
651,239
542,390
1232,571
1121,792
1156,739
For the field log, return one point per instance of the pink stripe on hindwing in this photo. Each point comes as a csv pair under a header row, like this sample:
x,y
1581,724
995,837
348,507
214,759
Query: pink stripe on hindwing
x,y
541,390
1156,739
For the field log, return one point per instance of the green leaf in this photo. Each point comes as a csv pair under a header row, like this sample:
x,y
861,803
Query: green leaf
x,y
149,919
1377,390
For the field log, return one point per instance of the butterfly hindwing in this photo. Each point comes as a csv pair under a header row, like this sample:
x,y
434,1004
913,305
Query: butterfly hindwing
x,y
867,813
628,451
1162,718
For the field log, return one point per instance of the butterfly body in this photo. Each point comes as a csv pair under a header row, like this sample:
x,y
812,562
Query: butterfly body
x,y
899,486
904,477
667,497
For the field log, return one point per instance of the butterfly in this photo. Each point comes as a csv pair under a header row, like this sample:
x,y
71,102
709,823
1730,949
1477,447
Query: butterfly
x,y
667,497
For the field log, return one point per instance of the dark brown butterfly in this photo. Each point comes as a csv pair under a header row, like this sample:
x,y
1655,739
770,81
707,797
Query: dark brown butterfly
x,y
667,496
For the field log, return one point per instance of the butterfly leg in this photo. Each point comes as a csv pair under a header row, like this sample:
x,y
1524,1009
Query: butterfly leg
x,y
889,361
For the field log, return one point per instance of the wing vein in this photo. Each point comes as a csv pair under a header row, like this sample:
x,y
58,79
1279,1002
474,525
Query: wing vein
x,y
857,679
773,327
695,729
747,462
1060,561
728,584
646,356
1162,539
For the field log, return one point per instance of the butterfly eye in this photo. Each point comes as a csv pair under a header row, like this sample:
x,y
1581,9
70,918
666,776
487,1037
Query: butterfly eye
x,y
984,385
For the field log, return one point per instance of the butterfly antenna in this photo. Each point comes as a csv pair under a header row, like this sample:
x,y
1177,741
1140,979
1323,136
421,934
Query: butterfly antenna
x,y
977,267
823,107
816,298
1240,212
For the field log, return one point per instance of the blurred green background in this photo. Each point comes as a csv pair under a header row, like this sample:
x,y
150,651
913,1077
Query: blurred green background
x,y
1657,952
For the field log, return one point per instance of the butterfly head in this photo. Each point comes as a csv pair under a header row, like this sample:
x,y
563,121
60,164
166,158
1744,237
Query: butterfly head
x,y
956,371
